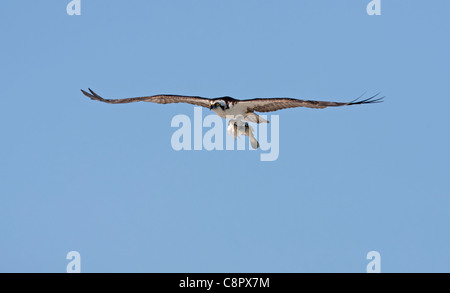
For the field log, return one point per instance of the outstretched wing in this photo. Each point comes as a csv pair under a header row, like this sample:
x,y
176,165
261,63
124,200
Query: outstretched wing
x,y
160,99
274,104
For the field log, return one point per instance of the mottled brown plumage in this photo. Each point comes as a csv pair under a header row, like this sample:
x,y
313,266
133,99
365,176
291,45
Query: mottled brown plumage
x,y
226,106
160,99
275,104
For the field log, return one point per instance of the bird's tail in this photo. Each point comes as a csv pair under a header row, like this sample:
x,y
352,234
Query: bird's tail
x,y
249,132
254,142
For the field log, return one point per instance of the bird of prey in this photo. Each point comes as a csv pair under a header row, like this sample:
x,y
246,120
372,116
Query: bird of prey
x,y
241,110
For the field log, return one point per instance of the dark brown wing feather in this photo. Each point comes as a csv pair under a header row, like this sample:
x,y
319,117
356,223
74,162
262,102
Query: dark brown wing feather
x,y
274,104
160,99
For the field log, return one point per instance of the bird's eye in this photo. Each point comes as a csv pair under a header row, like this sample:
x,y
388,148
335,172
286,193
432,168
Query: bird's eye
x,y
217,105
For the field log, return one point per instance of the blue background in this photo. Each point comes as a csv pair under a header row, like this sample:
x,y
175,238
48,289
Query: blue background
x,y
104,180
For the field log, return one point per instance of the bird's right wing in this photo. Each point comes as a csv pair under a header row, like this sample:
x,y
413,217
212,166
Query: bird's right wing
x,y
160,99
275,104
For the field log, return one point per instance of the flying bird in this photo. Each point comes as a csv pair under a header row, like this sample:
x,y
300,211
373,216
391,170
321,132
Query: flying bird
x,y
240,110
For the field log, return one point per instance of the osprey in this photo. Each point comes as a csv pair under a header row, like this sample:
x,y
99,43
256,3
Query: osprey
x,y
237,110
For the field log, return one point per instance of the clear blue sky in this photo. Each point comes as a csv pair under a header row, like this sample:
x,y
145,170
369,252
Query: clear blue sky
x,y
104,180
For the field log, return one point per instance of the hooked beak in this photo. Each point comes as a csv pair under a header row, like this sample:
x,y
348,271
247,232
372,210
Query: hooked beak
x,y
210,107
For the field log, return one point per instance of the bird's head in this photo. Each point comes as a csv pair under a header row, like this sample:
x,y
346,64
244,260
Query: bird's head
x,y
214,104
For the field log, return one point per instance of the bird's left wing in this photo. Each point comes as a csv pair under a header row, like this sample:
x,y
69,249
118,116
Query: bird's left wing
x,y
274,104
160,99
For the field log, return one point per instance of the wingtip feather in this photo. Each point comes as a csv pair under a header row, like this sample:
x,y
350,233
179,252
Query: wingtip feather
x,y
371,100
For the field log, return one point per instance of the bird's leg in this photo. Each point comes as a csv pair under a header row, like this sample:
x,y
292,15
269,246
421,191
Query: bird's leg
x,y
246,129
235,130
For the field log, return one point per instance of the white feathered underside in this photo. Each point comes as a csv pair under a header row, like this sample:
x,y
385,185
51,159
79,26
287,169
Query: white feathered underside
x,y
239,112
236,128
